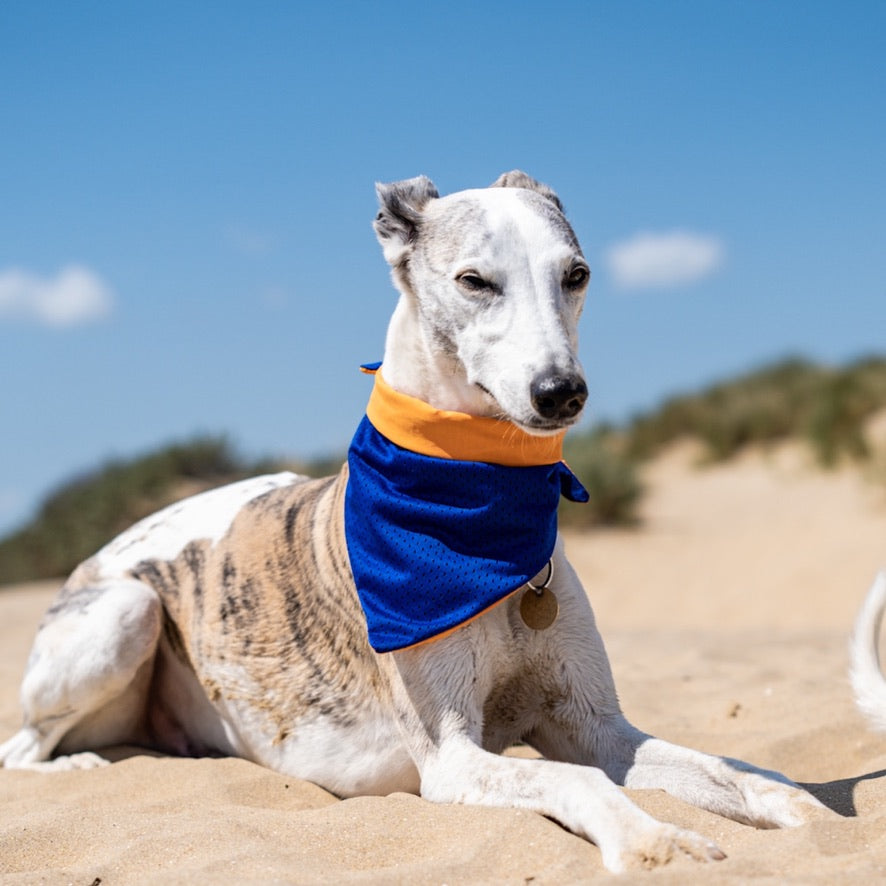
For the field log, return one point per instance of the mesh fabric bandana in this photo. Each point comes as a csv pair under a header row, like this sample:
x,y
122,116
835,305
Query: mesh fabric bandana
x,y
434,538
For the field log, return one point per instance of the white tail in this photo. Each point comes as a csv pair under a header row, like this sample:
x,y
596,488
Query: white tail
x,y
867,678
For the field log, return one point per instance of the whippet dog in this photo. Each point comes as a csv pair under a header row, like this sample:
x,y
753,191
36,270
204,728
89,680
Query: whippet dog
x,y
255,620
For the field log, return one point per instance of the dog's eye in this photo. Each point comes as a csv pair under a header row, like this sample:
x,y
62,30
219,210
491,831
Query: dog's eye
x,y
578,277
473,282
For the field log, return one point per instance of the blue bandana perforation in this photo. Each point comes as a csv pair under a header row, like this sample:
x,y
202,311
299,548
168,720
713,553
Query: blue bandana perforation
x,y
433,542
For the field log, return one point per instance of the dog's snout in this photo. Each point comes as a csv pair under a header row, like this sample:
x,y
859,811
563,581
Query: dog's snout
x,y
556,396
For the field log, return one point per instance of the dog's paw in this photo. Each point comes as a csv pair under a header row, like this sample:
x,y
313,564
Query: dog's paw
x,y
659,845
20,750
772,804
69,763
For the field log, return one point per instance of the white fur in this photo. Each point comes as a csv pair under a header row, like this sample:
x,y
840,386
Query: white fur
x,y
82,661
530,327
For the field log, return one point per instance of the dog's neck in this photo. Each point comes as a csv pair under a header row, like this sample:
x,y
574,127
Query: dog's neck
x,y
415,368
414,425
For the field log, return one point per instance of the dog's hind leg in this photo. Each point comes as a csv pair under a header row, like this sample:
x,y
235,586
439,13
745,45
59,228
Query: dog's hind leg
x,y
87,675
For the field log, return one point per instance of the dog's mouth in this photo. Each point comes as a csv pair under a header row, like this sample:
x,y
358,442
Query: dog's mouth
x,y
543,427
534,424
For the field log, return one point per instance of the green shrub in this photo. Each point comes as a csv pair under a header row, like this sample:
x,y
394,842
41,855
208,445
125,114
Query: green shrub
x,y
792,398
834,425
608,475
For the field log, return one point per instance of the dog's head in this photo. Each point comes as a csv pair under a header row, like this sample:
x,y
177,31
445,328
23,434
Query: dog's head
x,y
493,283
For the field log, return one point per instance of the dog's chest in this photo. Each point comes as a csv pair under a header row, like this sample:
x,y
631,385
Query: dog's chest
x,y
511,711
434,542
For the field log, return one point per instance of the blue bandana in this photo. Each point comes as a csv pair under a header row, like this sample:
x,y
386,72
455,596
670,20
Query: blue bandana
x,y
435,541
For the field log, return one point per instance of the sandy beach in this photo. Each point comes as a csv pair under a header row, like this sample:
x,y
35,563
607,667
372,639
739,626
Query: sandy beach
x,y
726,616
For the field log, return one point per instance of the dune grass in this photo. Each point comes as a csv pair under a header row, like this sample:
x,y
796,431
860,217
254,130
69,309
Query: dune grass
x,y
598,459
826,407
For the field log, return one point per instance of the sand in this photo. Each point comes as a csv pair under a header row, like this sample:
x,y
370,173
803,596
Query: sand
x,y
726,616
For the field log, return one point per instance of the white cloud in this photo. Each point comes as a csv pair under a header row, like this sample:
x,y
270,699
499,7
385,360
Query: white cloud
x,y
661,260
75,295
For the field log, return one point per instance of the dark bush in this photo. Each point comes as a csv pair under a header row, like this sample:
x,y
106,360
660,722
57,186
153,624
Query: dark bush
x,y
610,478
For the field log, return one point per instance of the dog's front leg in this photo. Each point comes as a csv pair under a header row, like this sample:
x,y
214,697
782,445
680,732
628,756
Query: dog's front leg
x,y
438,693
731,788
586,726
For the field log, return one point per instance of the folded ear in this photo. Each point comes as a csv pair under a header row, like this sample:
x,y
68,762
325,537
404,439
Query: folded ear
x,y
517,179
401,205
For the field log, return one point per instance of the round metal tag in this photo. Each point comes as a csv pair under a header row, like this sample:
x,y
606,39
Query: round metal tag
x,y
539,608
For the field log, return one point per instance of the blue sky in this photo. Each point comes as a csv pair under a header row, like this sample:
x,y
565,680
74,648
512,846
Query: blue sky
x,y
186,191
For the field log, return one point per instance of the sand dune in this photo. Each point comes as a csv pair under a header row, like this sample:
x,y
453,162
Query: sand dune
x,y
726,618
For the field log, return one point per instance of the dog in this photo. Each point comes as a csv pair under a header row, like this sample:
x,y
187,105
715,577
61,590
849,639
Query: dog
x,y
868,683
254,620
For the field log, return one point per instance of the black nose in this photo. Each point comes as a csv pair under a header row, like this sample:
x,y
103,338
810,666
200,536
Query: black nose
x,y
558,396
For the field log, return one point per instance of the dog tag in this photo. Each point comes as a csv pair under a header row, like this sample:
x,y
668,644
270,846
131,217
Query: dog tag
x,y
539,608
